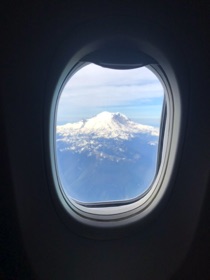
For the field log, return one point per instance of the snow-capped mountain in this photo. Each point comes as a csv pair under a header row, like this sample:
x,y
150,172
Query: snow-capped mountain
x,y
106,131
106,125
107,157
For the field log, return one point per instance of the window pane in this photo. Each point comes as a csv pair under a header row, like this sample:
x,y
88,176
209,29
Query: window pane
x,y
107,133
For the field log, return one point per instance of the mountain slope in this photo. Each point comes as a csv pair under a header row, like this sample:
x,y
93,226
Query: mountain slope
x,y
105,158
106,125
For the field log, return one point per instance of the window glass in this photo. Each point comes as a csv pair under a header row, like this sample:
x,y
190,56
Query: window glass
x,y
107,133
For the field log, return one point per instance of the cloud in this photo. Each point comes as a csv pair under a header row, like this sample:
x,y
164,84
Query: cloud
x,y
97,86
96,75
94,87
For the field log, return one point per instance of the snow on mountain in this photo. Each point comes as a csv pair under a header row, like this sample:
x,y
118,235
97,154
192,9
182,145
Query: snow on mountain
x,y
107,157
106,125
106,136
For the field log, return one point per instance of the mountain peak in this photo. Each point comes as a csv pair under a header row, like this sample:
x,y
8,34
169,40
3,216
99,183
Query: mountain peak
x,y
108,116
106,125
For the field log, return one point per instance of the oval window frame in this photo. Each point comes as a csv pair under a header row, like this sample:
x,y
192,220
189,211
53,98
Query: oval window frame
x,y
93,220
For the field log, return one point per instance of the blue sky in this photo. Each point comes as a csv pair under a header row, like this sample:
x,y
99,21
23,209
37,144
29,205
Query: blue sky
x,y
137,93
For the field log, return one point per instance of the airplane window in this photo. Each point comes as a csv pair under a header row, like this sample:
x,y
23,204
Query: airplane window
x,y
108,134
